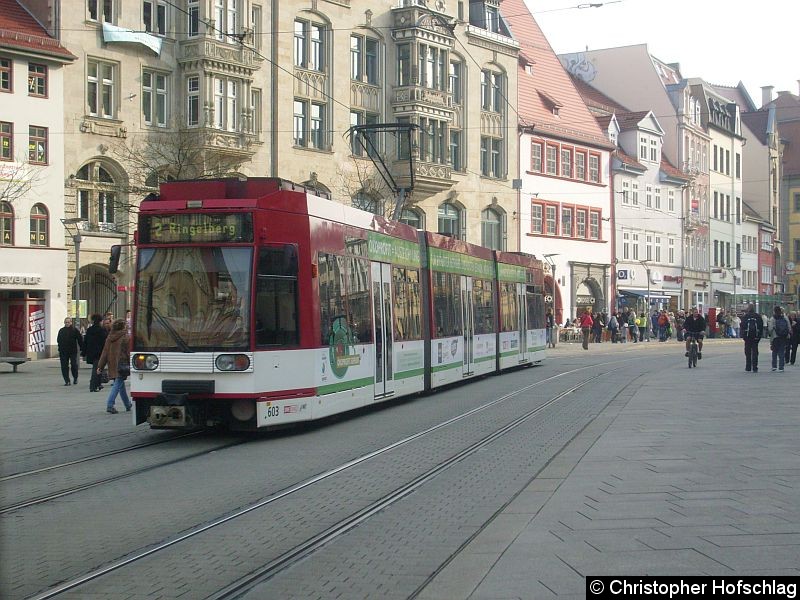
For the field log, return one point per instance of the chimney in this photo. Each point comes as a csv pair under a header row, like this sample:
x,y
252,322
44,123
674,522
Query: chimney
x,y
766,95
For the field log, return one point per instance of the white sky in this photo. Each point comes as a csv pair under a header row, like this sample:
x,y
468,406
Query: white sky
x,y
722,41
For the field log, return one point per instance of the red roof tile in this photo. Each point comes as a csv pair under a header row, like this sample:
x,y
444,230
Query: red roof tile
x,y
757,123
20,31
631,120
627,159
668,169
548,84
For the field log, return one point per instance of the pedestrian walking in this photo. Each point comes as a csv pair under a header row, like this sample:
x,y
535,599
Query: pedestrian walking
x,y
597,327
69,341
633,327
93,344
586,324
752,330
116,354
680,318
613,327
780,330
663,324
550,323
736,325
794,340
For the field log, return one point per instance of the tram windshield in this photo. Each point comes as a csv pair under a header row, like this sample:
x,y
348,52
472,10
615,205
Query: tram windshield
x,y
193,299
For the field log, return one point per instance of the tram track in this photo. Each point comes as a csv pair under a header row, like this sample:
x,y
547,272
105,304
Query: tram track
x,y
315,542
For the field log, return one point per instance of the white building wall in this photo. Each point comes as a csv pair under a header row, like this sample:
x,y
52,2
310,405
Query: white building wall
x,y
26,269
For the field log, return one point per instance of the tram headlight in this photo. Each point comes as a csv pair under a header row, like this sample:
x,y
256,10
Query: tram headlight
x,y
233,362
145,362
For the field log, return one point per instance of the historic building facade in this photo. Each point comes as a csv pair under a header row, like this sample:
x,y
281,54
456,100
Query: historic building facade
x,y
33,258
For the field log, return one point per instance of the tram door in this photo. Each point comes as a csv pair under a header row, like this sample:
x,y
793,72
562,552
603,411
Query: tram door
x,y
382,323
468,323
522,321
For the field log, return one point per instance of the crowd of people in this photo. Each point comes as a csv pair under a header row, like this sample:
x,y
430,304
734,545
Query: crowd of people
x,y
782,330
105,346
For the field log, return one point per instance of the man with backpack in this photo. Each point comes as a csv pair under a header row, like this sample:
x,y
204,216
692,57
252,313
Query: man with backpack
x,y
752,328
779,326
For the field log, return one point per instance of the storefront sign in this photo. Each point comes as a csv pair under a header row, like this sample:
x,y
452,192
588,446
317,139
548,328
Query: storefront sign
x,y
20,279
673,278
584,299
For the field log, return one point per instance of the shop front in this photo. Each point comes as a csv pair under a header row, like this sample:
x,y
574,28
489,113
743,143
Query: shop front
x,y
32,303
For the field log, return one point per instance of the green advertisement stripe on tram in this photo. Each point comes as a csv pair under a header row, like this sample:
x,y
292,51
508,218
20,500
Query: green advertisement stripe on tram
x,y
407,374
447,367
344,385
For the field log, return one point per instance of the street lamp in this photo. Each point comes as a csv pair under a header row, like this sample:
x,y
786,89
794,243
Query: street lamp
x,y
76,238
549,259
647,270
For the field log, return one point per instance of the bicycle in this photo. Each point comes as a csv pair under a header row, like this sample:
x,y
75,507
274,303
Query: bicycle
x,y
693,351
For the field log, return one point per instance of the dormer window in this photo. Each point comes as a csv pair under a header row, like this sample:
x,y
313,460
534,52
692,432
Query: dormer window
x,y
486,15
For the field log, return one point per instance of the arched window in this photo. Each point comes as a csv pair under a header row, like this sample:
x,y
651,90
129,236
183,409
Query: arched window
x,y
412,217
39,226
367,202
450,220
6,224
97,196
492,234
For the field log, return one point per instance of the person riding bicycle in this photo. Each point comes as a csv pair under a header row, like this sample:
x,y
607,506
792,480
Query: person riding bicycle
x,y
695,327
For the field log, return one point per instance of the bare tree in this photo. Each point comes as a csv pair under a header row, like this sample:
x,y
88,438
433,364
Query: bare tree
x,y
17,179
362,183
179,152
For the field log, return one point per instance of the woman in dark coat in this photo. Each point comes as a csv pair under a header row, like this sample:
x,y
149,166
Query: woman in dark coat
x,y
116,352
93,344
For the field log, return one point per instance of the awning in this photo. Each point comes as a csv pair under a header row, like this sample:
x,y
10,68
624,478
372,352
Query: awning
x,y
654,294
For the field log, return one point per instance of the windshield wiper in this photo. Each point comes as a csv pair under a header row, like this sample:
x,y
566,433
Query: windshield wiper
x,y
170,329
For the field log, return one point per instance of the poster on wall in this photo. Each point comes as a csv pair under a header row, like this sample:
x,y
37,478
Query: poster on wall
x,y
36,328
17,328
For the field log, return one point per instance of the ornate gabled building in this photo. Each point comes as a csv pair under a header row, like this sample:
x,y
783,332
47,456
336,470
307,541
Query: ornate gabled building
x,y
565,198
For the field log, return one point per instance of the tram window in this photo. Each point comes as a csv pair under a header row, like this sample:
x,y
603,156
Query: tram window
x,y
358,299
447,304
331,292
535,303
407,304
508,307
276,297
483,306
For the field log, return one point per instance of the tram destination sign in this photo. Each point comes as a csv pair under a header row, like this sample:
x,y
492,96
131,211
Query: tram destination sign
x,y
193,228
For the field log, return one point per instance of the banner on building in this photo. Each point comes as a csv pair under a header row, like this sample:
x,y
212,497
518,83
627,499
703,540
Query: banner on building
x,y
17,328
36,328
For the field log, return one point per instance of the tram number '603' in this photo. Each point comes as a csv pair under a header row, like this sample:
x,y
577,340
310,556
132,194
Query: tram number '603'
x,y
273,411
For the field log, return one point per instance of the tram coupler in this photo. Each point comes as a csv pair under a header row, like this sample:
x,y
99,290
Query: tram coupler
x,y
170,411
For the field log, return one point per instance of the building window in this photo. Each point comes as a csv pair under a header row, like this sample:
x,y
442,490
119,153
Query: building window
x,y
797,250
580,223
594,225
671,201
154,98
550,219
654,151
300,119
456,82
626,245
193,18
97,196
368,203
536,158
491,158
552,160
6,224
450,220
580,166
456,150
648,247
37,145
643,148
309,41
626,193
671,250
100,89
566,162
716,252
37,80
403,64
6,140
154,15
192,101
364,64
566,222
635,245
433,67
256,25
226,20
635,194
432,138
255,104
226,101
492,91
594,168
796,202
101,11
537,220
658,248
6,75
657,197
491,229
39,226
412,217
648,197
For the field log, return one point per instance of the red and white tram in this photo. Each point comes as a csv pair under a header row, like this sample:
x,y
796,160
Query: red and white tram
x,y
260,303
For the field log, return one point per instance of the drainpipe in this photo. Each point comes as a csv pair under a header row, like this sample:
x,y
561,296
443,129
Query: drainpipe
x,y
273,136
